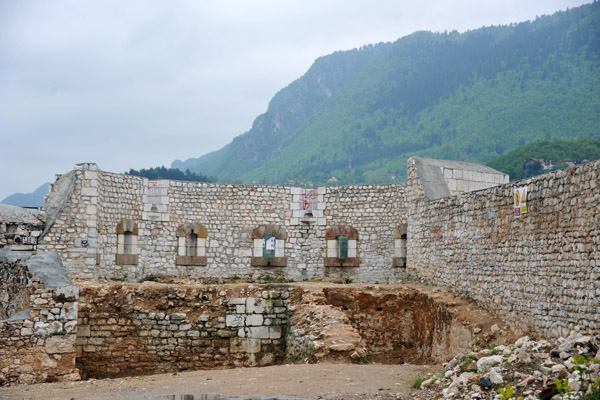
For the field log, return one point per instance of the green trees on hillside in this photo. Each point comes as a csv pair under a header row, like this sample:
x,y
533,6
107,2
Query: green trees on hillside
x,y
551,151
169,173
471,96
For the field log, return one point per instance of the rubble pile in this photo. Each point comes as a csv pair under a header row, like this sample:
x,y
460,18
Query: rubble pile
x,y
568,368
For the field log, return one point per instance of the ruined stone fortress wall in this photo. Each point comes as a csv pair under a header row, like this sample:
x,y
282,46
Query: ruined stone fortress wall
x,y
229,218
542,269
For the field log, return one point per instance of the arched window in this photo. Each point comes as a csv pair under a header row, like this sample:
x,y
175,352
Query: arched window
x,y
400,246
191,244
127,240
342,247
268,246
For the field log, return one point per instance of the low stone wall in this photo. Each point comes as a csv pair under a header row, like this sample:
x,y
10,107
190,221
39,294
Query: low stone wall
x,y
20,228
542,269
130,329
41,346
38,308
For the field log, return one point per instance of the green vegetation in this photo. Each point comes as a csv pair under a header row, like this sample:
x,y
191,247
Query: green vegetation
x,y
513,162
507,393
589,388
417,383
358,115
169,173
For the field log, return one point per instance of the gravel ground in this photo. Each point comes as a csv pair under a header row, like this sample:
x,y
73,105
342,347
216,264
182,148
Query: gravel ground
x,y
299,381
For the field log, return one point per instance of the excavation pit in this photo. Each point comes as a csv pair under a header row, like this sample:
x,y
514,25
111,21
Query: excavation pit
x,y
138,329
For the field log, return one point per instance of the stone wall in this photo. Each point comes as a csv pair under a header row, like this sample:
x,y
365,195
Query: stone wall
x,y
542,269
20,228
85,233
38,308
129,329
40,346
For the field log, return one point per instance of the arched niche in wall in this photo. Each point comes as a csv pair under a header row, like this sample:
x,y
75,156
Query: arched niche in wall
x,y
127,242
342,247
399,259
268,246
191,244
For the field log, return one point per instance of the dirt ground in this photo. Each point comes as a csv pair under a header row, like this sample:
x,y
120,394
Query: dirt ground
x,y
298,381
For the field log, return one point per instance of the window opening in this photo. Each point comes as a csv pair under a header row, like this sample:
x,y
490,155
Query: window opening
x,y
127,242
343,246
191,244
268,246
403,246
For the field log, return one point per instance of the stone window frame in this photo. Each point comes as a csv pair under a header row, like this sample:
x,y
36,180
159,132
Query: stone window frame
x,y
127,228
400,246
184,232
332,256
258,246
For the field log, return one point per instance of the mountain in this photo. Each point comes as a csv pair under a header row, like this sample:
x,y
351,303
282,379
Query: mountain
x,y
546,155
359,114
35,199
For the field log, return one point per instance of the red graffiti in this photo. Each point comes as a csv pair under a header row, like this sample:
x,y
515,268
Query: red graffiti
x,y
342,231
308,197
443,236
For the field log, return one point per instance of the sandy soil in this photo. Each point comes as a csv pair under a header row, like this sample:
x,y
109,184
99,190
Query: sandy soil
x,y
300,381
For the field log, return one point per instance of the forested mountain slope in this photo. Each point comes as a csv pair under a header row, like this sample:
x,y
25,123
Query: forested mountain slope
x,y
469,96
546,155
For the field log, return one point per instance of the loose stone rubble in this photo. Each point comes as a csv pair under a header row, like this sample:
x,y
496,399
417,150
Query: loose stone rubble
x,y
528,369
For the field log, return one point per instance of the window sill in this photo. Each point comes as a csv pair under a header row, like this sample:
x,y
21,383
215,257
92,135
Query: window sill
x,y
191,260
126,259
341,262
268,261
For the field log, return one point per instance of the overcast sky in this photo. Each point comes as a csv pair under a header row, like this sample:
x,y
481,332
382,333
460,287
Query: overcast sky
x,y
136,84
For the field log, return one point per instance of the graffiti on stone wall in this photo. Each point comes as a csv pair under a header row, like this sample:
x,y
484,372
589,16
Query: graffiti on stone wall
x,y
342,231
309,198
443,236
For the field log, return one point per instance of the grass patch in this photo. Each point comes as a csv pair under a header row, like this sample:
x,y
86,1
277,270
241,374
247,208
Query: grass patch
x,y
417,383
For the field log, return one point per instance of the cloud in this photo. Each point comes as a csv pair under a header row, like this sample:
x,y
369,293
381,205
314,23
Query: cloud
x,y
143,82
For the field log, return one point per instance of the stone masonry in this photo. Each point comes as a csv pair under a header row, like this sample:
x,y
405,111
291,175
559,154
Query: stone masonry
x,y
542,269
37,344
20,228
451,225
127,329
85,233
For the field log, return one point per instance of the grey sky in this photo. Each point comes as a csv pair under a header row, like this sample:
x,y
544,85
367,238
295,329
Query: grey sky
x,y
135,84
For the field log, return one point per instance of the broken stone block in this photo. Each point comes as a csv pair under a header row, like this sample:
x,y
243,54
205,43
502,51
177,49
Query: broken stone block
x,y
66,293
60,344
239,345
485,363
